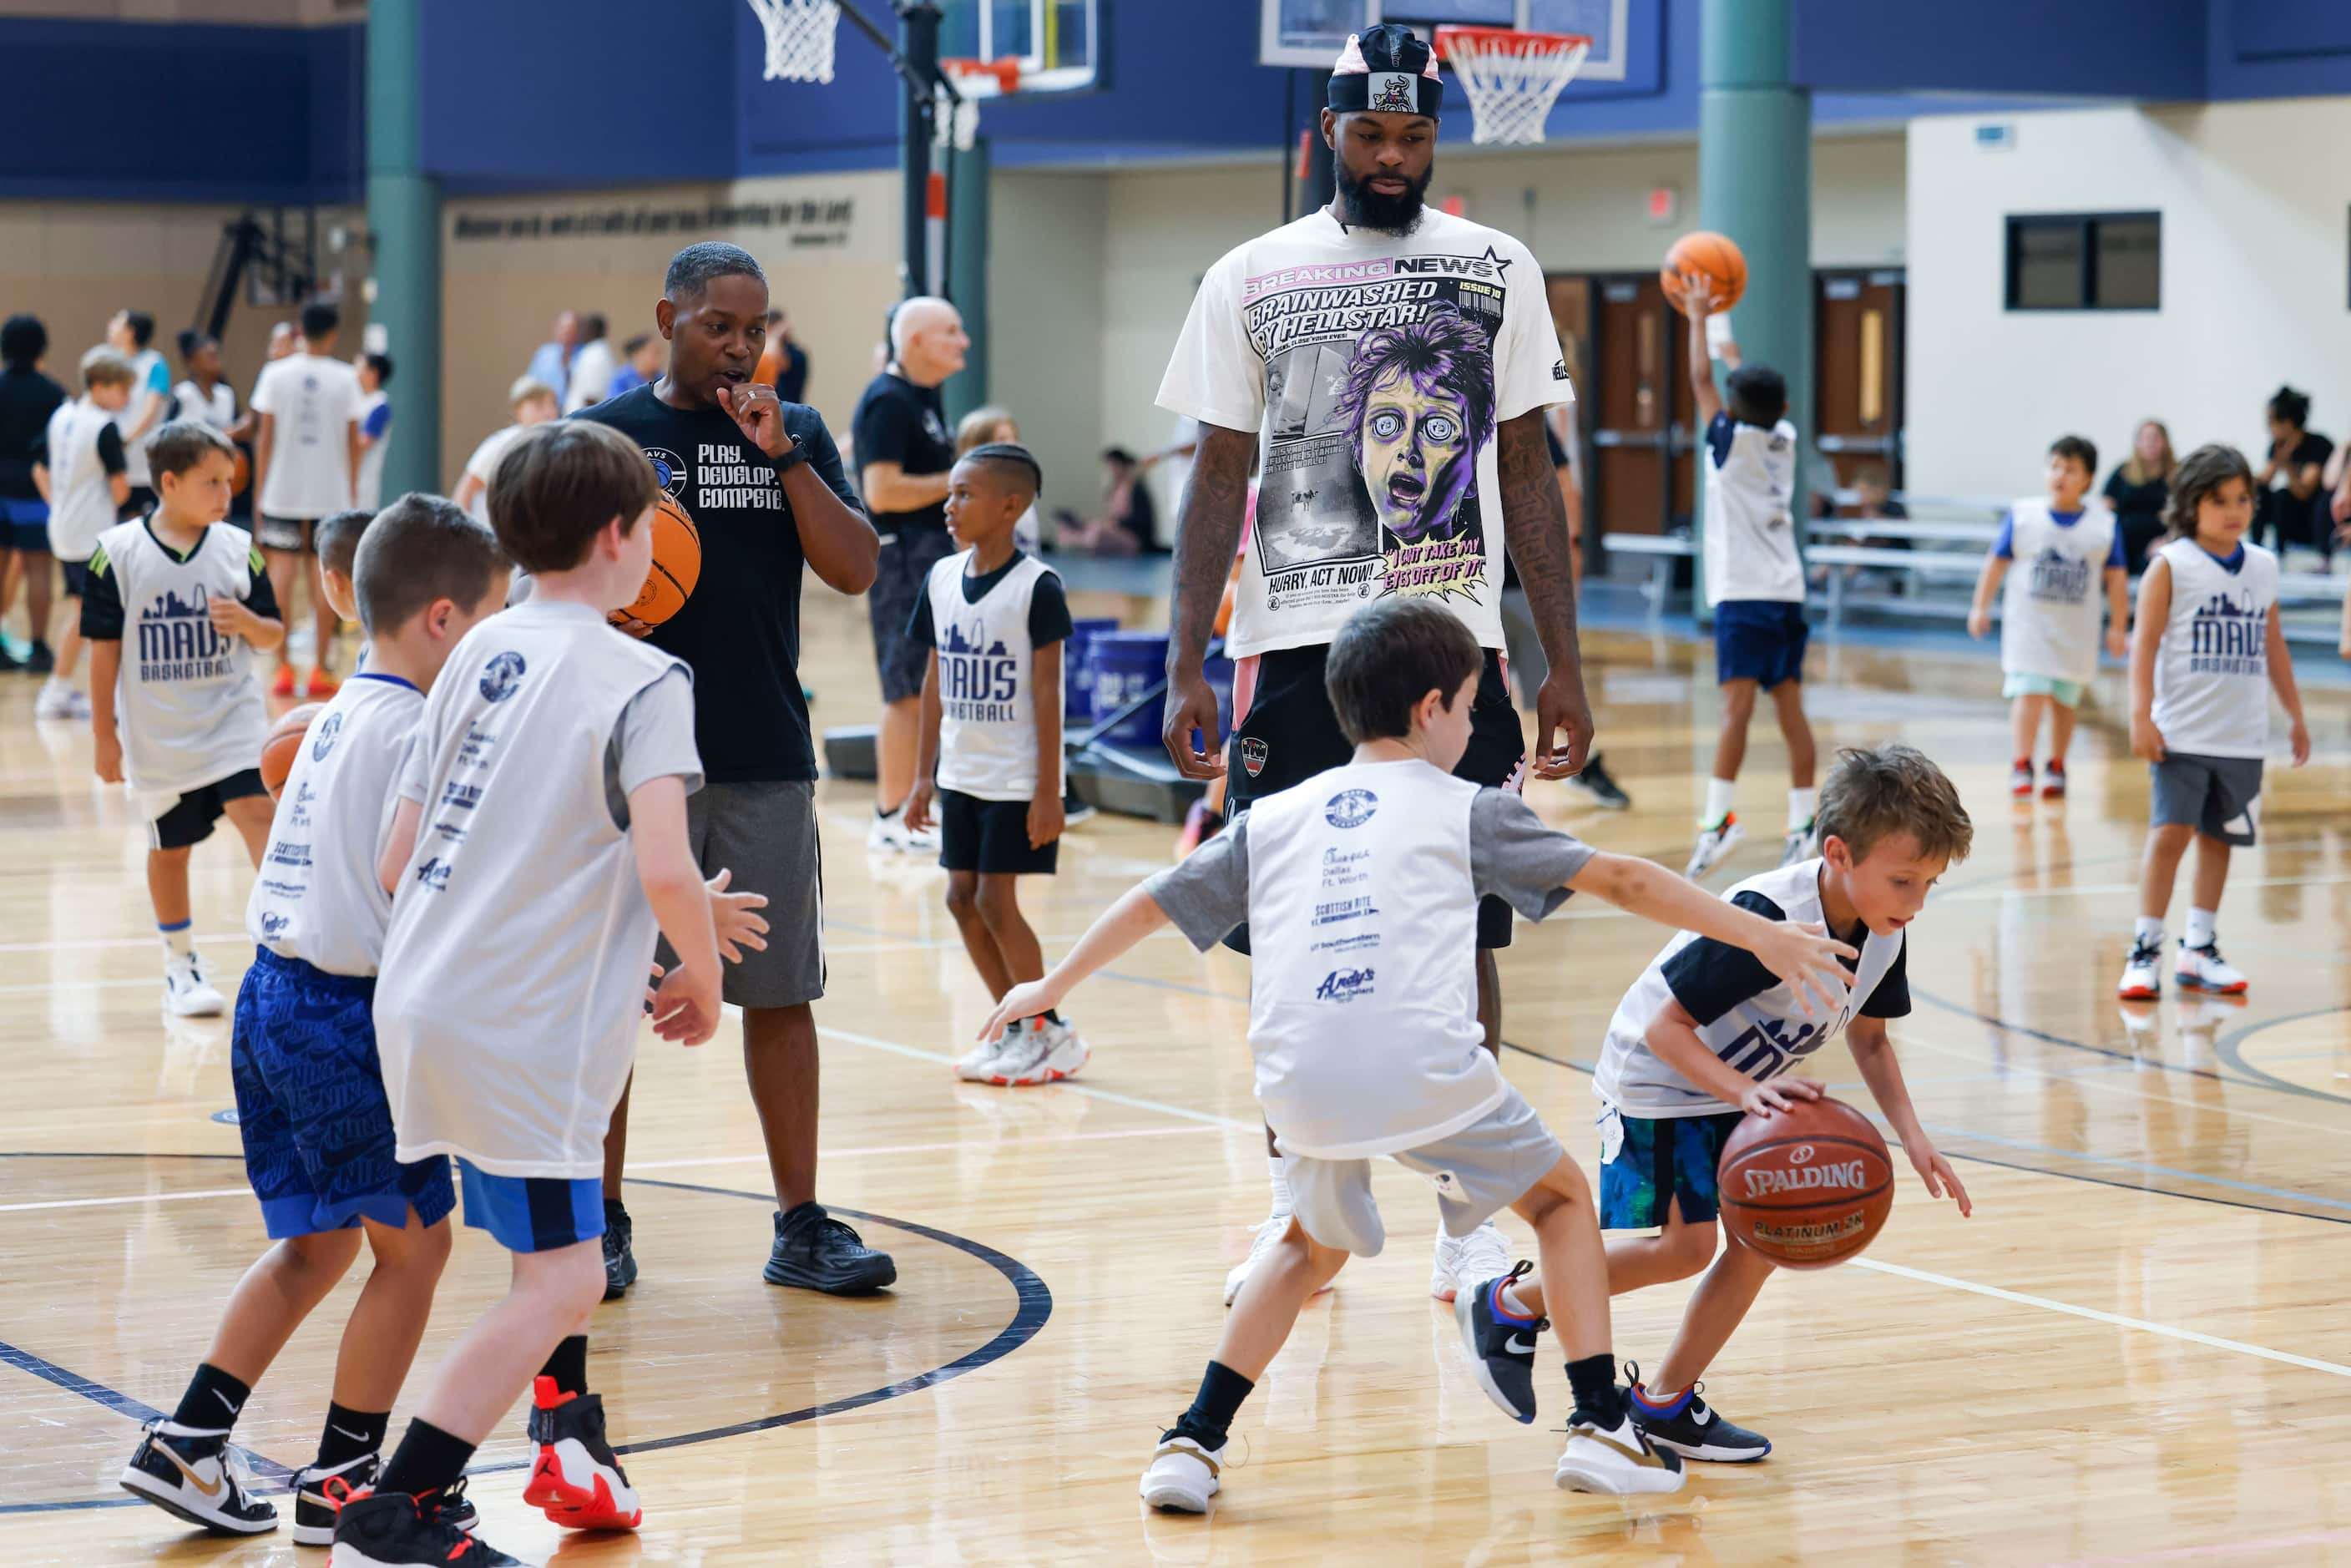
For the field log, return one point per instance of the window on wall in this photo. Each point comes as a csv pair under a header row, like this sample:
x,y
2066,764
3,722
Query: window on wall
x,y
2085,261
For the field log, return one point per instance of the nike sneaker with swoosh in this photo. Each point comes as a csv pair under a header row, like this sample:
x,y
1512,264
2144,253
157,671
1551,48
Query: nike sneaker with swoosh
x,y
1615,1460
196,1475
1500,1343
1688,1426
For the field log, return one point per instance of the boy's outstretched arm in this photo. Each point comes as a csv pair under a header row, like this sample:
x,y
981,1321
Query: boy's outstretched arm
x,y
1697,303
1873,1053
1673,1036
1800,954
1136,916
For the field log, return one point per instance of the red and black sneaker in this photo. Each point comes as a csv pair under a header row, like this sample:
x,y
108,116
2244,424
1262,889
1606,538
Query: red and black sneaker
x,y
393,1530
575,1478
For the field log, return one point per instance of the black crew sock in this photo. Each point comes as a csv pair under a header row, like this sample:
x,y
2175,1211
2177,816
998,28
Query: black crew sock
x,y
801,1214
1592,1380
615,1209
569,1366
1053,1015
1213,1408
213,1400
427,1460
350,1435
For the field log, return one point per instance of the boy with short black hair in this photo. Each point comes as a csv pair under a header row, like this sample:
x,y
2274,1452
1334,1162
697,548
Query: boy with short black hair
x,y
545,790
1754,582
995,621
131,334
85,474
374,372
191,710
318,1134
2049,618
305,459
1360,887
1702,1039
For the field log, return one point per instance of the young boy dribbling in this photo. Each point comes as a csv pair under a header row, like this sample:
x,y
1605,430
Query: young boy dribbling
x,y
1361,888
990,750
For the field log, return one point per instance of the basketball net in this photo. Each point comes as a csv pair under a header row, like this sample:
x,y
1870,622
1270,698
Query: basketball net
x,y
958,118
1512,77
799,38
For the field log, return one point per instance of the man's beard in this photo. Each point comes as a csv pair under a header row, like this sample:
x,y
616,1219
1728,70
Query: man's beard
x,y
1392,215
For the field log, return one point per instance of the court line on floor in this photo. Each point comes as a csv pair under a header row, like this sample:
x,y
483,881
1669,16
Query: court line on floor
x,y
2116,1319
2230,1047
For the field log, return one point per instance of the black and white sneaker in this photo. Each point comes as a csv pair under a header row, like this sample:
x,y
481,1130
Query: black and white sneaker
x,y
391,1529
1595,784
814,1251
196,1475
1688,1426
1502,1344
619,1261
320,1492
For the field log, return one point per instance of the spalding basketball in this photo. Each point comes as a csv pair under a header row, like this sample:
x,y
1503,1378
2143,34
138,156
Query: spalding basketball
x,y
677,566
1806,1187
285,742
1712,255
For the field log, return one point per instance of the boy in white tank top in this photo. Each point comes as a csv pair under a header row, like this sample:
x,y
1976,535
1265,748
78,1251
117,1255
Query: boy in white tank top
x,y
1360,888
2208,652
994,621
2049,615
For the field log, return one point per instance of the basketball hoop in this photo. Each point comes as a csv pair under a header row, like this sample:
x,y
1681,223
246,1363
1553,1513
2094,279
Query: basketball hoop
x,y
799,38
958,118
1512,77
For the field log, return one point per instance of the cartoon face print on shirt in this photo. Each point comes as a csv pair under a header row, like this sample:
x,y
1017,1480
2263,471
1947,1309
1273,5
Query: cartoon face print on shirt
x,y
1419,406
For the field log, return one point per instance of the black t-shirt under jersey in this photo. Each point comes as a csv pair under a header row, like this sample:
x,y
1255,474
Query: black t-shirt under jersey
x,y
740,630
1711,977
898,421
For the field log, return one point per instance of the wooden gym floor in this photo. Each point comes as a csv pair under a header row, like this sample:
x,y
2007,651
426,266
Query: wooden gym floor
x,y
2135,1353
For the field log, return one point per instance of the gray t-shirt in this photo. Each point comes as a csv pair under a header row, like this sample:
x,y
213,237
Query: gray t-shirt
x,y
1513,856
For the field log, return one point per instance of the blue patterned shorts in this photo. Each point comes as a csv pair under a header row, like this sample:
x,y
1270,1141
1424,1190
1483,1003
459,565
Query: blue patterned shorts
x,y
318,1143
1646,1164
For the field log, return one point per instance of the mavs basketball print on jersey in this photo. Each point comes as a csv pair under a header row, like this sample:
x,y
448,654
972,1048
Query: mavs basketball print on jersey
x,y
2059,578
978,676
986,632
2228,636
177,639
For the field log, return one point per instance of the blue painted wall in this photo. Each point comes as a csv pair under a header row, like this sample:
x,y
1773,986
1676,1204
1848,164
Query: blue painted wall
x,y
2112,48
2278,48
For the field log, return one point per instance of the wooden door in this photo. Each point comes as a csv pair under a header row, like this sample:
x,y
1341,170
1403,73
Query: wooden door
x,y
1635,360
1857,353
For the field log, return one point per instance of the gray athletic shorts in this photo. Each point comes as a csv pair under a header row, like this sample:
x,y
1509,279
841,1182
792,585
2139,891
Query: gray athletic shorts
x,y
1523,646
766,834
2219,797
1477,1172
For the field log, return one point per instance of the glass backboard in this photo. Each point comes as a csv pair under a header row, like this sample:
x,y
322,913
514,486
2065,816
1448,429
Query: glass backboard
x,y
1311,32
1052,39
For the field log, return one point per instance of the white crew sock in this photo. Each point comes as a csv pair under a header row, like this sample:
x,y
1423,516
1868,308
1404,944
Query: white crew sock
x,y
1801,806
2149,930
1719,793
180,941
2200,924
1282,1202
1512,1303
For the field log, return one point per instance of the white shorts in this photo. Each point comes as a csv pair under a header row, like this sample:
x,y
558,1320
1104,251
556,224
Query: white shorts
x,y
1477,1172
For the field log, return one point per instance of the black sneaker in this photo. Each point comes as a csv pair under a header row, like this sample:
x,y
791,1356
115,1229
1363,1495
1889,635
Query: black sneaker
x,y
40,661
320,1493
1688,1426
817,1252
619,1262
8,661
391,1529
197,1477
1601,790
1501,1346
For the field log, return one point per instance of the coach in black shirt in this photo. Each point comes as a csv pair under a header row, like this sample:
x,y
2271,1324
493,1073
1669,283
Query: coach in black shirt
x,y
763,483
904,452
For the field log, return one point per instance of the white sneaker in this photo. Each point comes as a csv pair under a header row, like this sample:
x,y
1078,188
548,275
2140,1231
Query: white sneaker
x,y
1481,1255
1182,1476
1799,845
2203,969
1619,1462
1038,1051
59,701
891,834
1269,1236
1713,844
2142,979
976,1065
186,993
2019,782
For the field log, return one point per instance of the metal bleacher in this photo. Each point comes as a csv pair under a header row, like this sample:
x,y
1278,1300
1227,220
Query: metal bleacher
x,y
1922,568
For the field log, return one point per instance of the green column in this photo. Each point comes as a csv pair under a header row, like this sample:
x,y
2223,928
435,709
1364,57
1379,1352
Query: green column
x,y
404,224
1755,185
966,280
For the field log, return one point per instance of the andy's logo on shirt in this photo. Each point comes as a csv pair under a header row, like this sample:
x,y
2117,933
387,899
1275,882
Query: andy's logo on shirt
x,y
178,641
434,874
1344,986
979,679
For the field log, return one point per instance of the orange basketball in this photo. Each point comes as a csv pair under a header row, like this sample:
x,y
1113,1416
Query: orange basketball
x,y
240,473
1806,1187
677,566
285,742
1712,255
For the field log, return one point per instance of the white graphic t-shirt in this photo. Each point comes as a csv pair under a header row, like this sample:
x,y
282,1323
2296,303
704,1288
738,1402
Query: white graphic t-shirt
x,y
1376,367
314,402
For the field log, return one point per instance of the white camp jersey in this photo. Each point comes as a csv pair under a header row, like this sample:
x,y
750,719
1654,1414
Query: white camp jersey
x,y
188,700
1376,369
81,502
988,681
1762,1036
149,378
515,968
318,897
2212,667
1750,535
370,489
217,408
2049,601
312,403
484,463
